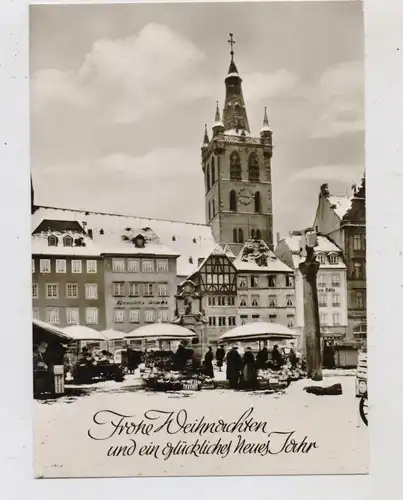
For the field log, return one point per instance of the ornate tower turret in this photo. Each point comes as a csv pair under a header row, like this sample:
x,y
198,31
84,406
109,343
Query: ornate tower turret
x,y
218,127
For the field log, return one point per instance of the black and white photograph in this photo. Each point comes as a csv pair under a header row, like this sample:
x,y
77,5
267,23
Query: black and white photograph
x,y
198,209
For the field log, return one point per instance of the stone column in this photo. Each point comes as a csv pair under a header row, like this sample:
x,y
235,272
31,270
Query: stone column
x,y
309,270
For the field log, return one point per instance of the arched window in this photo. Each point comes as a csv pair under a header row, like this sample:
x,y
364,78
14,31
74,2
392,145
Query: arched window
x,y
232,201
240,236
213,205
212,171
252,234
258,234
253,168
208,177
53,241
258,207
235,235
235,166
209,211
68,241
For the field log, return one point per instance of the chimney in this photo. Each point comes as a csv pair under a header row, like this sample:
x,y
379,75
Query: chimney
x,y
89,233
324,190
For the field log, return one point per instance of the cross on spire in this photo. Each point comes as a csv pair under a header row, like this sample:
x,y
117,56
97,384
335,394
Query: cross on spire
x,y
232,42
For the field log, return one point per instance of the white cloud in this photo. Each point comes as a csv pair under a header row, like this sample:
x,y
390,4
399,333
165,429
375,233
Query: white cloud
x,y
268,85
327,173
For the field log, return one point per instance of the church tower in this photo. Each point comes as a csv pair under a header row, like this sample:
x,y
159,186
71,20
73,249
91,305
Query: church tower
x,y
237,170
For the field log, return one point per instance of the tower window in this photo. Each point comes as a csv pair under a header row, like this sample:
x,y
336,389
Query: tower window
x,y
208,177
235,167
235,235
253,168
258,207
240,235
232,201
212,171
213,206
209,211
252,234
258,234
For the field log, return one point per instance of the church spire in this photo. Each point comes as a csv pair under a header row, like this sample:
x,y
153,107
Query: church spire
x,y
218,127
234,115
206,140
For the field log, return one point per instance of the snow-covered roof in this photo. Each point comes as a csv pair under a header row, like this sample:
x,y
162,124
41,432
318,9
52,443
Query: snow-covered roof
x,y
239,133
255,255
218,123
161,331
81,332
112,334
258,329
189,240
340,204
324,244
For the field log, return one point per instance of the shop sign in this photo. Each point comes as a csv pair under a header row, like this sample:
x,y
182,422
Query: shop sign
x,y
141,302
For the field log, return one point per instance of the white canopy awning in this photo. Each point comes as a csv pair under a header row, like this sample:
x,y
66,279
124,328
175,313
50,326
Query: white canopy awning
x,y
52,329
259,330
80,332
112,334
163,331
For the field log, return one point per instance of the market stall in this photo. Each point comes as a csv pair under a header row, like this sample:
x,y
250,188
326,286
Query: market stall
x,y
275,371
167,368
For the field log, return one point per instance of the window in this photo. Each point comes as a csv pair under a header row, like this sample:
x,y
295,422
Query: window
x,y
289,301
336,300
72,316
221,301
148,266
360,299
235,166
243,282
118,289
211,301
68,241
119,315
33,265
232,201
271,281
213,207
258,207
222,321
290,320
162,266
163,315
52,290
91,315
258,234
231,320
53,241
133,266
255,300
289,281
134,289
35,313
231,301
91,266
252,234
359,242
336,319
321,258
322,281
243,301
256,317
234,235
149,316
60,266
35,291
148,289
44,265
52,315
323,318
211,321
118,265
272,318
358,271
212,171
322,300
335,280
208,177
134,316
333,258
244,318
163,289
253,168
254,281
91,291
272,301
71,290
240,236
76,267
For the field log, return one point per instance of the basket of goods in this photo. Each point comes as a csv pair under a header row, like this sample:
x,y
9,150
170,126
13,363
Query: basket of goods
x,y
207,382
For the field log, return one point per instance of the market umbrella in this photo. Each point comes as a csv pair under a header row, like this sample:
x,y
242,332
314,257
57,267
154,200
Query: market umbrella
x,y
41,327
111,335
259,330
161,331
82,333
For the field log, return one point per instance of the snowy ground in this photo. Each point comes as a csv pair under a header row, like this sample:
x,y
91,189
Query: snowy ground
x,y
63,447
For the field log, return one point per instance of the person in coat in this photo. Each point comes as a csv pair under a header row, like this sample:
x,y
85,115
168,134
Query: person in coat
x,y
234,367
328,357
248,379
276,357
208,363
219,356
262,358
292,357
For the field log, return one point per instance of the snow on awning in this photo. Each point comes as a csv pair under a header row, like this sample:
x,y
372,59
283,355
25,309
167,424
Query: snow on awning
x,y
259,330
163,331
112,334
51,329
80,332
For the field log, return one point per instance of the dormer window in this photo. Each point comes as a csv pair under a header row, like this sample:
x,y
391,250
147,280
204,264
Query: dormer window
x,y
139,241
321,258
53,241
68,241
333,258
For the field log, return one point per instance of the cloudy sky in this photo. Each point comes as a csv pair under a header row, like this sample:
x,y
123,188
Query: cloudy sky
x,y
120,95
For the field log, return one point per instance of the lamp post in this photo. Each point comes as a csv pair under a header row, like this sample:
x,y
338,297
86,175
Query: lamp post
x,y
309,270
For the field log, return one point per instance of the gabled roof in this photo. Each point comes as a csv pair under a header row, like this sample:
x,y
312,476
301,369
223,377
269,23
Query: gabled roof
x,y
340,204
255,255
